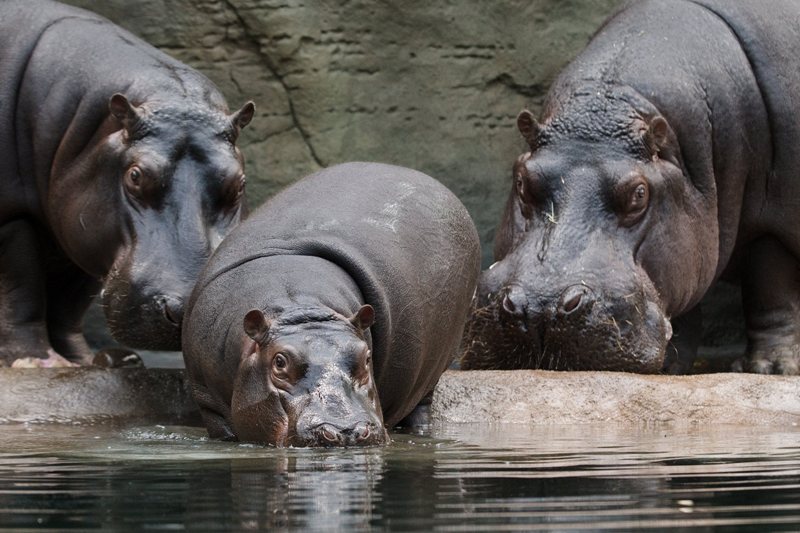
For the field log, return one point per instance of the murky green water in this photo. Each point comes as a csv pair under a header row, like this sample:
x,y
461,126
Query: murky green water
x,y
460,478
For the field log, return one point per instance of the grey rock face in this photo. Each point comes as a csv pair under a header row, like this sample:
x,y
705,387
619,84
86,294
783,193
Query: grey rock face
x,y
545,397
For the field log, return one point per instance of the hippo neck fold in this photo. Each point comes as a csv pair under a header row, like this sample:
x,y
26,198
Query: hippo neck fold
x,y
347,258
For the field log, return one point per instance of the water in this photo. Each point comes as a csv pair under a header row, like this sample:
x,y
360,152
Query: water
x,y
450,478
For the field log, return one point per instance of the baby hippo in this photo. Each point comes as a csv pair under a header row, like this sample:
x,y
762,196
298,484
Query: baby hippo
x,y
331,312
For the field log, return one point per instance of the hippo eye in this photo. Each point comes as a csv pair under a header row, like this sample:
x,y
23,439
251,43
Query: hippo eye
x,y
133,180
639,198
280,362
635,203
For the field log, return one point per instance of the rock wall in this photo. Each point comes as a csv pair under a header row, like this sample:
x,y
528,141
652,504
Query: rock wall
x,y
435,86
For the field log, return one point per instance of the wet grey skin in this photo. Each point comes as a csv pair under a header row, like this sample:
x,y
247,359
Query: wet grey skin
x,y
119,176
665,158
330,313
318,390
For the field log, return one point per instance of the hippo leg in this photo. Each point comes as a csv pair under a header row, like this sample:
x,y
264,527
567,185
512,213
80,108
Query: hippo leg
x,y
771,294
421,414
687,332
22,298
69,294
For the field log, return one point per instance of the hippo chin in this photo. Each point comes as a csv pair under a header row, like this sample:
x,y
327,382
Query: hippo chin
x,y
665,158
330,313
119,175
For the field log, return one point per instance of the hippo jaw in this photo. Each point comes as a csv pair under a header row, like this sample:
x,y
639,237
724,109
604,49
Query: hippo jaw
x,y
307,384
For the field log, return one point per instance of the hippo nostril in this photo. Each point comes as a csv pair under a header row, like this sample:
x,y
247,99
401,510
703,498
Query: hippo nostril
x,y
514,301
330,435
575,297
363,432
172,308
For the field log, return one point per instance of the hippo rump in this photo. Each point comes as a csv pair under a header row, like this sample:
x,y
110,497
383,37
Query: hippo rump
x,y
666,157
333,309
118,175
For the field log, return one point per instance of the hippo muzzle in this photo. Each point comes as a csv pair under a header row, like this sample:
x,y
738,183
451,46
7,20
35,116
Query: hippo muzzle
x,y
335,412
528,315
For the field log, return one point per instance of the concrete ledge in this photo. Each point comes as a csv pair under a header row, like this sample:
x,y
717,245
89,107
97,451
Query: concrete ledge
x,y
543,397
90,393
520,397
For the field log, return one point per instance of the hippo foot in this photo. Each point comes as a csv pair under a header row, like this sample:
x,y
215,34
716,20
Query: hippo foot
x,y
53,360
117,358
782,361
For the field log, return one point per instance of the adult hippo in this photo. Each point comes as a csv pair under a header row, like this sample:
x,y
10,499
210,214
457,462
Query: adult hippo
x,y
666,157
333,309
118,176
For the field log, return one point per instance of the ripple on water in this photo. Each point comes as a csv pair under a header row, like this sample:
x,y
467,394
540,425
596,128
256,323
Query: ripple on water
x,y
451,478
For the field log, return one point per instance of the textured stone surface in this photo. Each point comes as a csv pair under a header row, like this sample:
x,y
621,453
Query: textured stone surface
x,y
64,394
435,86
521,397
542,397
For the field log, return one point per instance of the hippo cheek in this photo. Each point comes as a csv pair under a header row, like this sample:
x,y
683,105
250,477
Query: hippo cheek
x,y
264,421
259,411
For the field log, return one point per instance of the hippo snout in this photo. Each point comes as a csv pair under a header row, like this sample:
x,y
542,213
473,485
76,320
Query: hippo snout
x,y
359,434
583,325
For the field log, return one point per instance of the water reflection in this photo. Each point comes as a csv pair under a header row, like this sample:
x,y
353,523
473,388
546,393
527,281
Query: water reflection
x,y
451,478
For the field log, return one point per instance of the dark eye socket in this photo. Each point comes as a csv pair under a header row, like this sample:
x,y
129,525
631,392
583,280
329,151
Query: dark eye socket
x,y
280,362
634,200
638,198
528,191
134,181
135,175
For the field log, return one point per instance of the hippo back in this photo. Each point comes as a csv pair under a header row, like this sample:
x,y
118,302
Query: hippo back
x,y
405,240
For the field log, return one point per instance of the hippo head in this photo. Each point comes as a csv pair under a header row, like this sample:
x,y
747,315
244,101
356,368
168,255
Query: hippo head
x,y
159,191
603,240
306,380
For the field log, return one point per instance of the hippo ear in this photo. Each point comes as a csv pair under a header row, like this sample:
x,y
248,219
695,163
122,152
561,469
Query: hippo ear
x,y
242,118
363,318
123,110
528,127
656,135
256,325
